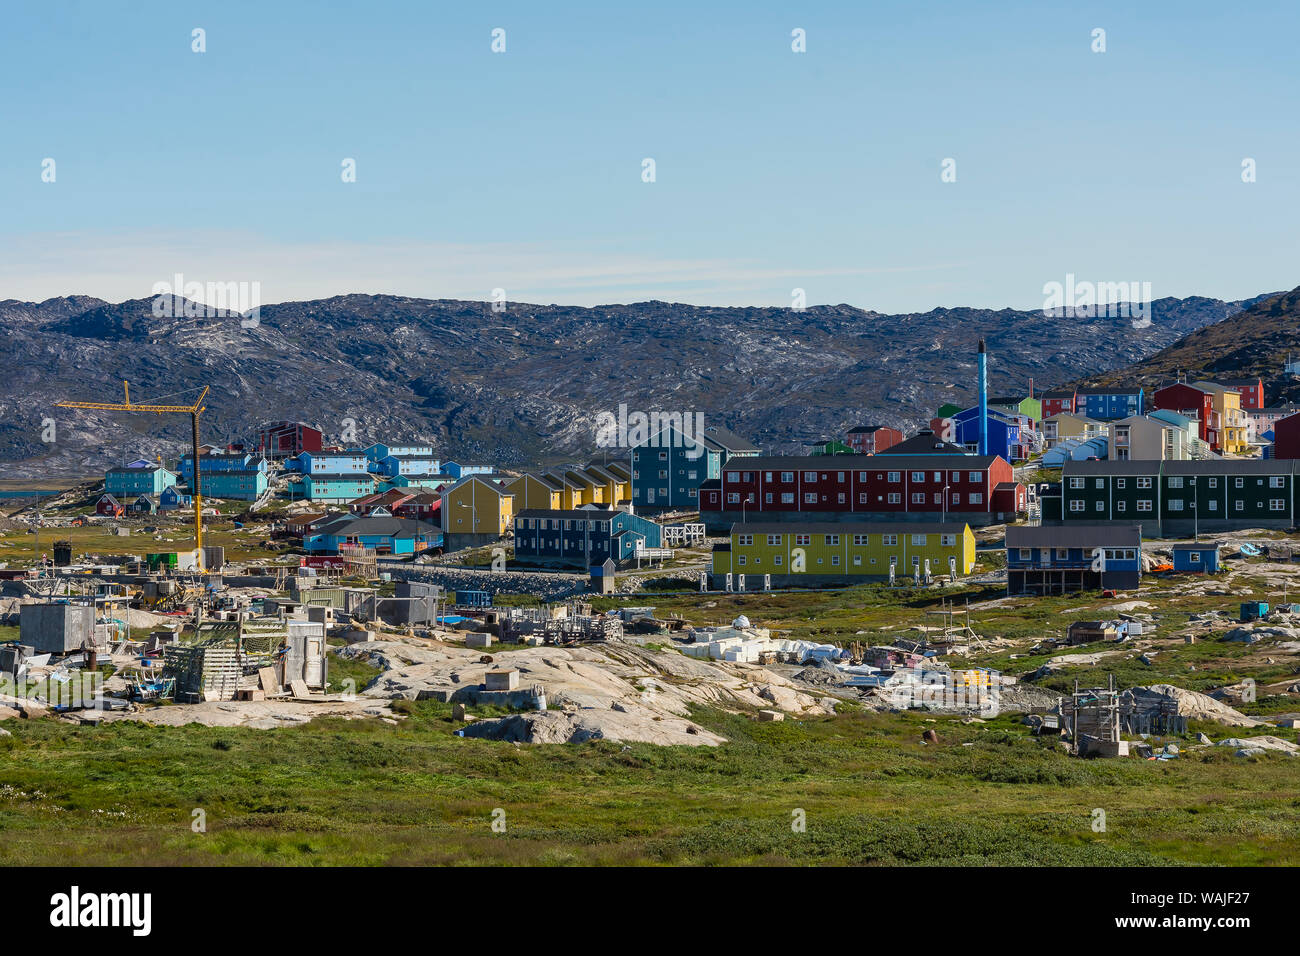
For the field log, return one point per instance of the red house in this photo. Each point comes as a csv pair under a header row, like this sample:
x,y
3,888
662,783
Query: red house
x,y
1286,437
872,439
1251,391
1058,400
287,439
1190,401
978,489
422,507
108,506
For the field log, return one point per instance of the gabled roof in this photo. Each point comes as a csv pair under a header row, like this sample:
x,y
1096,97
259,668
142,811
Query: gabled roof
x,y
865,429
925,443
727,440
1057,393
1074,536
482,480
384,526
145,470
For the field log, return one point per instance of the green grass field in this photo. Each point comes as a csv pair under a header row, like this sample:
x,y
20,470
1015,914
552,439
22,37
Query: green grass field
x,y
338,792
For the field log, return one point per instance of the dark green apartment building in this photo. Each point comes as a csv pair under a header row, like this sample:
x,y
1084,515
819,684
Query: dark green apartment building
x,y
1175,498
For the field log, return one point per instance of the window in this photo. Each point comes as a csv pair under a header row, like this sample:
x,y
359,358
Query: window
x,y
1143,483
977,498
832,539
810,476
1121,506
1101,506
842,497
1144,505
919,540
862,476
889,540
1121,482
857,560
1277,504
767,498
744,540
1277,482
787,476
741,561
803,539
773,540
810,498
1238,483
1241,506
1194,557
835,560
1026,554
787,497
1212,482
977,476
861,539
918,497
1175,482
1175,504
733,498
948,540
1100,483
663,456
894,476
840,477
1076,482
862,497
776,559
918,476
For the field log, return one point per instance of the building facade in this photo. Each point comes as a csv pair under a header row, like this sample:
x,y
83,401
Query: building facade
x,y
582,538
820,553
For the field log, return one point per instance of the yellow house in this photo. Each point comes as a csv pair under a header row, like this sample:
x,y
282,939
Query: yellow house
x,y
475,510
830,552
535,491
1063,425
571,496
591,491
1227,423
621,473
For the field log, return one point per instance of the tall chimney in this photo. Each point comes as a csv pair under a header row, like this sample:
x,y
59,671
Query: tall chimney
x,y
984,399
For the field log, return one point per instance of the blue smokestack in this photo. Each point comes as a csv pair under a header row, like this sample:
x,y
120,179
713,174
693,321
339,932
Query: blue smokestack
x,y
984,399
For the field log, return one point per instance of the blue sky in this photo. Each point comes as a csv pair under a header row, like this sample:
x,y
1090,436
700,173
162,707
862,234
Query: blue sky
x,y
774,170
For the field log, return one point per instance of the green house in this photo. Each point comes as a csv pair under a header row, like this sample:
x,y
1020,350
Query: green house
x,y
1181,497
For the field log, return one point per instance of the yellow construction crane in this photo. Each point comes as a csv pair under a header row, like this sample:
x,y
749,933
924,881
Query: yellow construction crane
x,y
194,411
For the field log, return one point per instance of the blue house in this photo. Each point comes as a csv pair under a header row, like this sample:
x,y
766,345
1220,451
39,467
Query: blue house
x,y
408,465
669,466
1109,404
212,464
240,485
127,483
336,488
459,471
582,537
1004,433
1056,559
379,451
172,500
332,463
382,535
1197,557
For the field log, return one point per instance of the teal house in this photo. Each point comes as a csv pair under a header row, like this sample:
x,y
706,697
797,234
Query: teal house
x,y
131,482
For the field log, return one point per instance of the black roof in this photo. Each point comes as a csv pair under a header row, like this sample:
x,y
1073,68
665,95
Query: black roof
x,y
1074,536
396,527
924,443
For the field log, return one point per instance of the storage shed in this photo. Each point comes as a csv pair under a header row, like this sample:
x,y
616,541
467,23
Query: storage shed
x,y
1197,557
56,628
